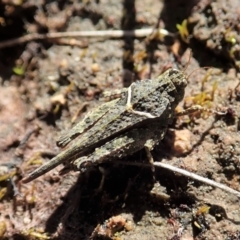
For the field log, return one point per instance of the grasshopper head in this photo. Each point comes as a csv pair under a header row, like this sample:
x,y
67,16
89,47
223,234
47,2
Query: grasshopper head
x,y
179,81
178,78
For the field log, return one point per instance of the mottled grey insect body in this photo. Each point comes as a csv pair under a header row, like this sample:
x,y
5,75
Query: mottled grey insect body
x,y
137,119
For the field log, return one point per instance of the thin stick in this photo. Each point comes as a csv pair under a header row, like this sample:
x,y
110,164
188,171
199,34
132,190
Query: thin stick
x,y
108,33
187,174
197,177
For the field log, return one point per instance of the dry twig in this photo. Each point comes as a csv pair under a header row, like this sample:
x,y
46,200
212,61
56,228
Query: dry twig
x,y
107,34
187,174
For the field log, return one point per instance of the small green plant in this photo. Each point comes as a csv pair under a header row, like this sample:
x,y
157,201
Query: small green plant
x,y
183,31
19,70
229,36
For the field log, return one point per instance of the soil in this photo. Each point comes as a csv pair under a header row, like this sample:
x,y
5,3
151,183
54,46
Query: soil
x,y
48,86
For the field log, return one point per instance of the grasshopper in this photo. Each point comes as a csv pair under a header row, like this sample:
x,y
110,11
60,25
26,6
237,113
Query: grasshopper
x,y
138,118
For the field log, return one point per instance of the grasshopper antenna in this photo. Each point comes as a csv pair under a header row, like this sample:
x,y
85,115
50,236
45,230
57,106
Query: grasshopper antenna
x,y
188,62
197,70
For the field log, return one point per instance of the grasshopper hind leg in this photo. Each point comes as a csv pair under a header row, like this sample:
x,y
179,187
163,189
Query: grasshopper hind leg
x,y
124,145
118,147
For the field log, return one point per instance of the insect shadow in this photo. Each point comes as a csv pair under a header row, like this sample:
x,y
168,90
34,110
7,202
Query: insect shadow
x,y
126,189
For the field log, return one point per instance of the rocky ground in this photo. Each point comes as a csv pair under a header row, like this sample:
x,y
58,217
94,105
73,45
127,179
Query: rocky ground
x,y
48,85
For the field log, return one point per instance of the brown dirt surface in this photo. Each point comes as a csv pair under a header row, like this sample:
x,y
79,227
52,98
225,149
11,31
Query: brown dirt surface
x,y
47,86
